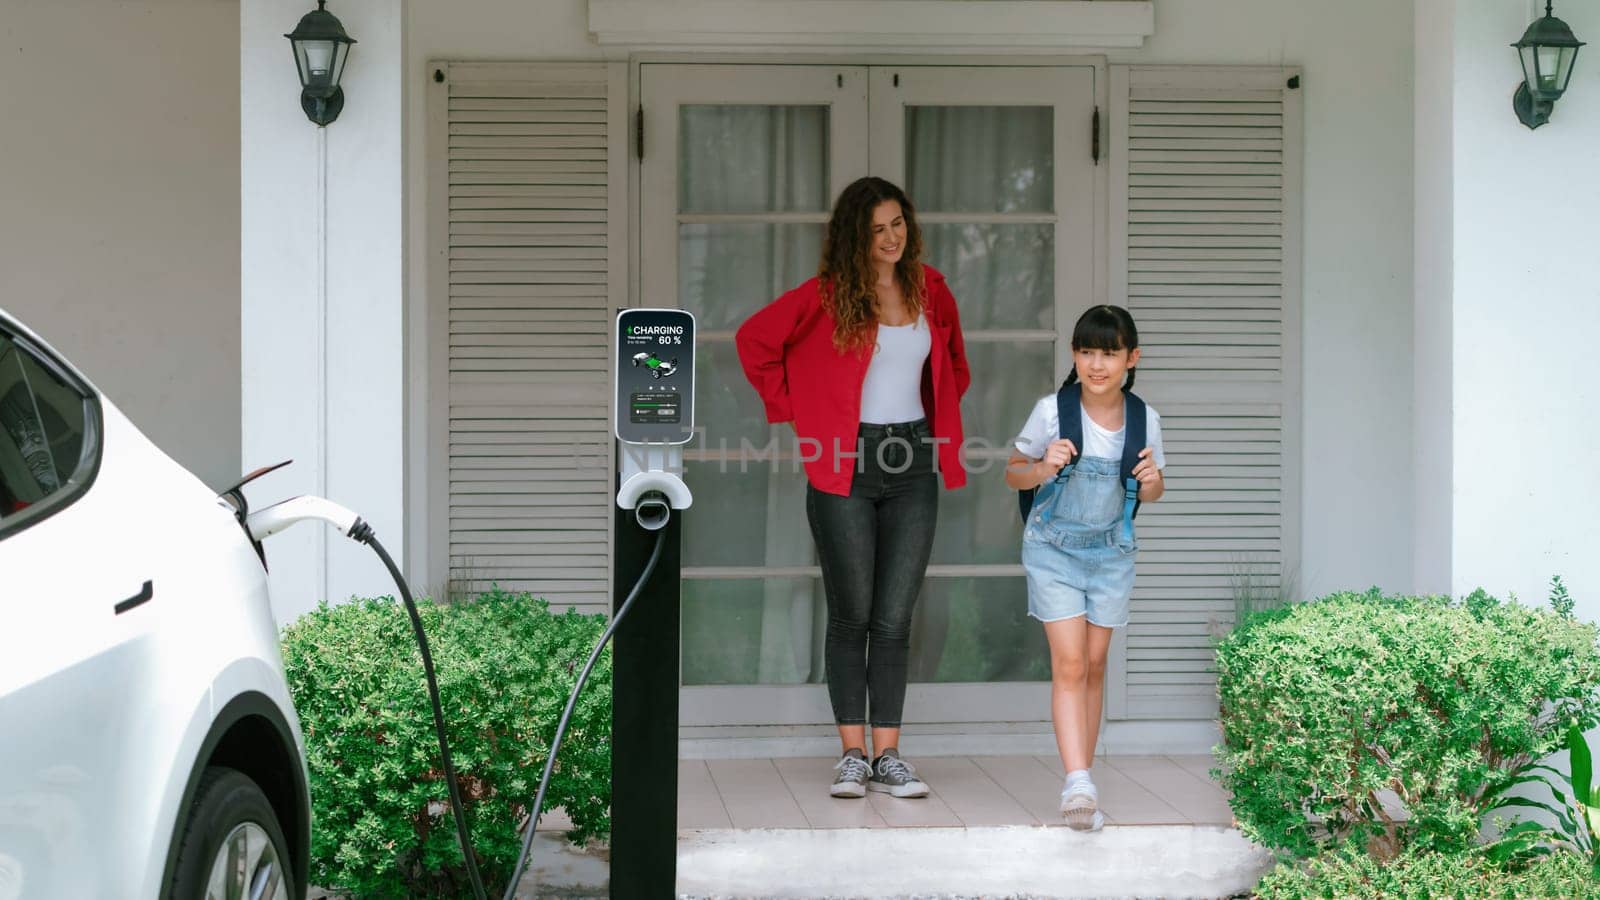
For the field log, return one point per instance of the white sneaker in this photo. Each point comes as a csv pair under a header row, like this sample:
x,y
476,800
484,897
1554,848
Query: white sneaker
x,y
1080,803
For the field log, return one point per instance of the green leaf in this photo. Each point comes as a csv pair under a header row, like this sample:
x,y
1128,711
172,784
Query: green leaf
x,y
1582,766
1520,779
1561,816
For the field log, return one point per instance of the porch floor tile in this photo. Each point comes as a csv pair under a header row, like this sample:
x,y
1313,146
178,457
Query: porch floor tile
x,y
967,792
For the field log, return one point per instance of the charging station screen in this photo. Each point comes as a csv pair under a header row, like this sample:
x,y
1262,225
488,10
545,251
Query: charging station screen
x,y
646,408
655,376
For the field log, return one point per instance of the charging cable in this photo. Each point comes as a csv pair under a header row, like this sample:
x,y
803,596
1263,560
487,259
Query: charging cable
x,y
274,519
566,715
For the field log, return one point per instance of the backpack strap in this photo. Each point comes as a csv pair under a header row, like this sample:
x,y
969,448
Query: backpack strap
x,y
1069,412
1069,418
1133,443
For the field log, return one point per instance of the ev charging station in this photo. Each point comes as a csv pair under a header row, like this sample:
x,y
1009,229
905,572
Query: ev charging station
x,y
653,419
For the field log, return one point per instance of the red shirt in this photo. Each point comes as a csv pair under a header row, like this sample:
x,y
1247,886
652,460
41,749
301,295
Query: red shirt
x,y
787,352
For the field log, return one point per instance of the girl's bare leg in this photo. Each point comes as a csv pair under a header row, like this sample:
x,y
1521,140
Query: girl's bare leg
x,y
1069,682
1099,645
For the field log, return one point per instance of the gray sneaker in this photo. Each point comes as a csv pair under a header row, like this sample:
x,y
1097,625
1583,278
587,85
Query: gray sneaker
x,y
896,777
853,772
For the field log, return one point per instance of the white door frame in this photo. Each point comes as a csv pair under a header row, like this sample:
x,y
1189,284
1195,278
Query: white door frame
x,y
1079,204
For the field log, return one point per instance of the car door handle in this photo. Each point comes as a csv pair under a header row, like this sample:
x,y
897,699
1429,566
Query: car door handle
x,y
144,595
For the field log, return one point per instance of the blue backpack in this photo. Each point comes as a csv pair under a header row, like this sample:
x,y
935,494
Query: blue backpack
x,y
1069,411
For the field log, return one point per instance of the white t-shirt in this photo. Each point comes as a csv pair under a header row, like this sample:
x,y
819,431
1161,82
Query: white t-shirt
x,y
1043,426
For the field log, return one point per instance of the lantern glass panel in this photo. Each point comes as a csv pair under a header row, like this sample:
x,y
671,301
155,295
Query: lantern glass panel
x,y
341,52
1564,67
1530,66
319,59
1549,66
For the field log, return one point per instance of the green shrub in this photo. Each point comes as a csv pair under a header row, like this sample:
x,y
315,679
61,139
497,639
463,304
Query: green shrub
x,y
382,825
1325,705
1425,875
1573,819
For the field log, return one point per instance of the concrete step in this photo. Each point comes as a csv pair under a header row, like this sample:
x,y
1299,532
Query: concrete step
x,y
1009,863
925,863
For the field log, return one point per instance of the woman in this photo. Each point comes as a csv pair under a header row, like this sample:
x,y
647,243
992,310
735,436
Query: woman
x,y
867,361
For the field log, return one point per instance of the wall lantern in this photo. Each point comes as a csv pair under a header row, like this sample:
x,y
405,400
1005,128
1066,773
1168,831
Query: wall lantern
x,y
320,49
1547,49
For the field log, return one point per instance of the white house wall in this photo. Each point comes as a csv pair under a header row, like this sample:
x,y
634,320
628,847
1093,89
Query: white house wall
x,y
1526,315
1356,326
120,243
1357,61
322,295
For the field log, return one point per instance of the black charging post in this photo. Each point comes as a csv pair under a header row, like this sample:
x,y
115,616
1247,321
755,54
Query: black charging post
x,y
644,718
654,396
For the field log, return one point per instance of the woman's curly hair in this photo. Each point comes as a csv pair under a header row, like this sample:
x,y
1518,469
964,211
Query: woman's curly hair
x,y
846,272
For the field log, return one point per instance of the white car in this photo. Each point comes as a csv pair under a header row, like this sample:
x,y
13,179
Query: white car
x,y
148,746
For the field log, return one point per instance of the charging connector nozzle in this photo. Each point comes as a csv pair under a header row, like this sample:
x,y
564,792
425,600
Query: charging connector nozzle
x,y
264,523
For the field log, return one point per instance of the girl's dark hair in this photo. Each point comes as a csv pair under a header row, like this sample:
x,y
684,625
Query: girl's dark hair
x,y
846,271
1108,328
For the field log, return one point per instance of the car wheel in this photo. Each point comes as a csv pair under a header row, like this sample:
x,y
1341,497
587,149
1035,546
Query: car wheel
x,y
655,373
232,846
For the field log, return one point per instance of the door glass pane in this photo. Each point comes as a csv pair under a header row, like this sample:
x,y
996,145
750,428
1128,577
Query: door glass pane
x,y
60,409
43,424
980,159
28,474
755,161
979,524
758,517
727,271
1003,276
727,409
753,631
977,629
751,159
1008,377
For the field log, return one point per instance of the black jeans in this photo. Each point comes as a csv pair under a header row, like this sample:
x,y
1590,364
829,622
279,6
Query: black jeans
x,y
874,547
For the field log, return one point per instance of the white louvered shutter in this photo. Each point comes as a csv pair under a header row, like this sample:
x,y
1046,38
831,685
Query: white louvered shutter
x,y
1205,241
532,289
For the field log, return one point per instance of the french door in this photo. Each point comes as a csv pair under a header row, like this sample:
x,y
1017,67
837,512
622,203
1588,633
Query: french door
x,y
741,165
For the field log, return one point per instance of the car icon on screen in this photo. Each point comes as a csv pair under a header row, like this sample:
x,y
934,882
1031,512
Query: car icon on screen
x,y
659,368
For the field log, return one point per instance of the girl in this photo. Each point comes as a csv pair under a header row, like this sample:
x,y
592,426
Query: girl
x,y
867,361
1079,561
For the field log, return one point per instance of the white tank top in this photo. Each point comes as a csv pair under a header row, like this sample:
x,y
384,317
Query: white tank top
x,y
892,391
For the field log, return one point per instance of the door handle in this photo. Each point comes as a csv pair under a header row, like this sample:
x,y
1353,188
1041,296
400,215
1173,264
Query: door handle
x,y
139,599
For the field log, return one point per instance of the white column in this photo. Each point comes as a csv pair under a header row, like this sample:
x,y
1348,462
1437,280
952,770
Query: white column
x,y
1522,277
322,320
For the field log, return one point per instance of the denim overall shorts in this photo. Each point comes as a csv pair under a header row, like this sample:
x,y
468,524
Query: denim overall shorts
x,y
1078,556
